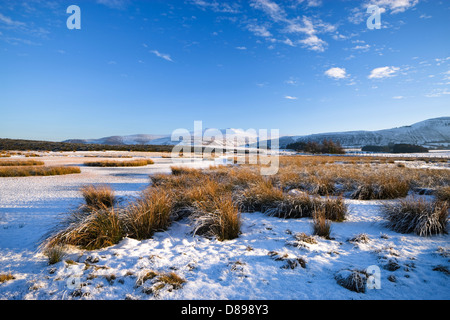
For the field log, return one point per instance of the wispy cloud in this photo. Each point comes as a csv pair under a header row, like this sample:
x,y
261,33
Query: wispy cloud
x,y
10,22
259,30
216,6
162,55
114,4
290,98
304,25
436,93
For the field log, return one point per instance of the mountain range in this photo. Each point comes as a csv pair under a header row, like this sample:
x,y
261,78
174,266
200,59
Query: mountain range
x,y
429,133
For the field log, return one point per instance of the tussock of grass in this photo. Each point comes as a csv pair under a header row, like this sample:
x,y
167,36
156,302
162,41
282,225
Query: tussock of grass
x,y
382,188
360,238
37,171
6,277
98,197
176,171
421,217
111,163
217,217
260,197
21,163
172,279
353,280
443,194
303,237
55,253
94,230
321,225
151,213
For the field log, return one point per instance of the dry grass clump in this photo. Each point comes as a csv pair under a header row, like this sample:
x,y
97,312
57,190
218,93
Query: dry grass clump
x,y
150,213
443,194
98,197
303,237
37,171
360,238
17,163
112,163
55,253
93,230
6,277
321,225
421,217
158,281
218,217
172,279
382,187
177,171
261,196
353,280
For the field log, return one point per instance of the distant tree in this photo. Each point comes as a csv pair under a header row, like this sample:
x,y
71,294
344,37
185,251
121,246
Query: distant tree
x,y
408,148
327,146
396,148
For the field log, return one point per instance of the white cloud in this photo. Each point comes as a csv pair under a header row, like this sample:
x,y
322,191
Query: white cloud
x,y
314,43
241,48
162,55
398,97
362,47
395,6
336,73
383,72
290,98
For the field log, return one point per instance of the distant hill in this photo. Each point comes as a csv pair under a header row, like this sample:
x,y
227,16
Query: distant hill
x,y
428,133
137,139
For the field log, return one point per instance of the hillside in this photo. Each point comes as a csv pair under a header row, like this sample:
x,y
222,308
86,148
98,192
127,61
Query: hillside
x,y
431,132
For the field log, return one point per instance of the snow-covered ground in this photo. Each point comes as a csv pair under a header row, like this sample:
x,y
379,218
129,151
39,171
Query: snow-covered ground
x,y
257,265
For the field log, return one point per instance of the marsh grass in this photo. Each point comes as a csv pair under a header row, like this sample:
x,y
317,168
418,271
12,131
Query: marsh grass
x,y
424,218
98,197
382,187
152,212
172,279
93,230
353,280
218,217
6,277
55,253
112,163
21,163
37,171
443,194
321,225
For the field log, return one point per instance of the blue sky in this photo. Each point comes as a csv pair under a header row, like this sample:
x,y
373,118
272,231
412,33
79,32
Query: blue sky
x,y
300,66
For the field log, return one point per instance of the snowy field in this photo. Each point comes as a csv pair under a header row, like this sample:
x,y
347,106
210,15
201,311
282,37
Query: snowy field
x,y
263,263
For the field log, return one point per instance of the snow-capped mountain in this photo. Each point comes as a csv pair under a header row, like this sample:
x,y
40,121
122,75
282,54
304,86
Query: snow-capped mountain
x,y
431,132
211,137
